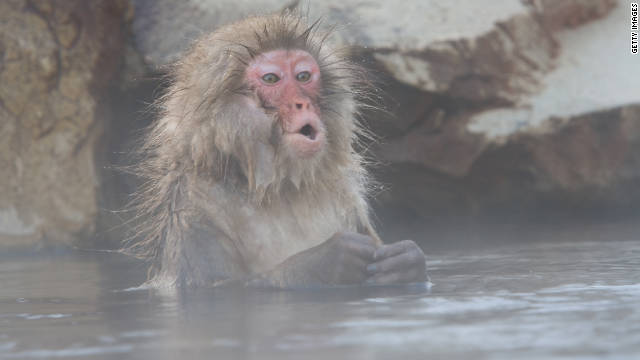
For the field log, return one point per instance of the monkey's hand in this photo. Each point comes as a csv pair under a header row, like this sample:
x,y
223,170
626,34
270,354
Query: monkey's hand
x,y
341,260
401,262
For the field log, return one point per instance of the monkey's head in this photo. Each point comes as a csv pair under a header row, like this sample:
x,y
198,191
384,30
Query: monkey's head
x,y
288,83
266,101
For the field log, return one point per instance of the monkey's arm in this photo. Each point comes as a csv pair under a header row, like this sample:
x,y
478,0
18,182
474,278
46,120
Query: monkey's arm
x,y
341,260
344,259
205,261
348,259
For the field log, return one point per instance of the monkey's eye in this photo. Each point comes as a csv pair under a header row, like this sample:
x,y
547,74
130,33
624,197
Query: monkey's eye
x,y
303,76
270,78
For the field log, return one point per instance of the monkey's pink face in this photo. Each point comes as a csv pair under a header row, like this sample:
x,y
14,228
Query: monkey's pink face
x,y
288,81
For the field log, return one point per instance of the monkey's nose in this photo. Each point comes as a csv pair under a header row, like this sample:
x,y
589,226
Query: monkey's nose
x,y
303,105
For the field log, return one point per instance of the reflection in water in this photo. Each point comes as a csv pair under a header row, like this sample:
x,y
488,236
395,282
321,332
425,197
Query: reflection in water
x,y
571,300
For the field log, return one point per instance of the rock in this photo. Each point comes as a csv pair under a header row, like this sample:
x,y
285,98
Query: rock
x,y
56,62
586,79
163,29
439,142
475,52
578,84
570,13
583,163
569,147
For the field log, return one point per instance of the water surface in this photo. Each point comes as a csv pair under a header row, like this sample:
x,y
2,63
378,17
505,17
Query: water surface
x,y
574,300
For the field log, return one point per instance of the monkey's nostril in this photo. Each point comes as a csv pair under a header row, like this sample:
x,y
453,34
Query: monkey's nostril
x,y
298,106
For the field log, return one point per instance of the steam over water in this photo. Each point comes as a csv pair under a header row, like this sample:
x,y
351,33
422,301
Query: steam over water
x,y
575,300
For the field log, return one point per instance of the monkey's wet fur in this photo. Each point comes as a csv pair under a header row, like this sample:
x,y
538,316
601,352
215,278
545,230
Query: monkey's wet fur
x,y
250,172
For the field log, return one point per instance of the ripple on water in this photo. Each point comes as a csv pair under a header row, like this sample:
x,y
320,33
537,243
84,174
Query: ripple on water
x,y
42,316
70,352
628,289
142,334
445,306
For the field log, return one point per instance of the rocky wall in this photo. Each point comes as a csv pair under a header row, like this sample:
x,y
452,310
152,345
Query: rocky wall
x,y
57,61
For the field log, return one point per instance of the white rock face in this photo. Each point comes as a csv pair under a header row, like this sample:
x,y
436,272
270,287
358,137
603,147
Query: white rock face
x,y
594,71
413,25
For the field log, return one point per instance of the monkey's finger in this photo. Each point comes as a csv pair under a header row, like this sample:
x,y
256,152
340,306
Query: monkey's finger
x,y
363,239
353,270
386,251
355,263
363,250
359,270
351,237
403,262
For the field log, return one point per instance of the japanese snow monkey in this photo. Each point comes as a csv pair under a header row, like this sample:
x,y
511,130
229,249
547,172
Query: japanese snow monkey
x,y
251,176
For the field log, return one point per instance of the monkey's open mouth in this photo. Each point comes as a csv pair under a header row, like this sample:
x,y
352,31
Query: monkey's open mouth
x,y
308,131
306,141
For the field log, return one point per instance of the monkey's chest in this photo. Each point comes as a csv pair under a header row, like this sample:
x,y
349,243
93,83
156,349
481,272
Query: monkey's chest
x,y
269,236
263,237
